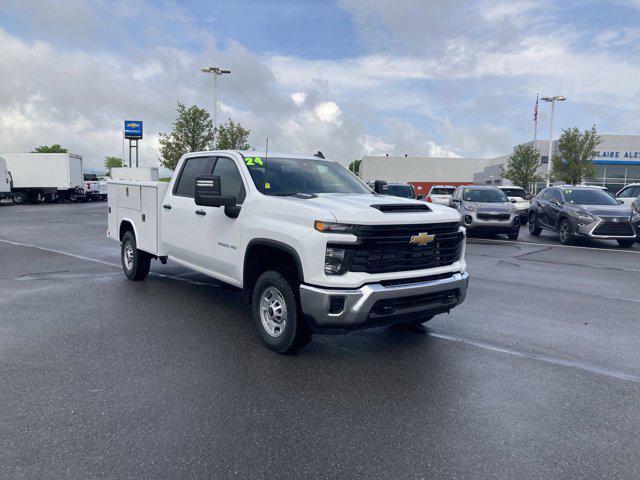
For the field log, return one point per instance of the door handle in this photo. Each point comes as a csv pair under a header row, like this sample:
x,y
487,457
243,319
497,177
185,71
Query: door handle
x,y
166,206
200,212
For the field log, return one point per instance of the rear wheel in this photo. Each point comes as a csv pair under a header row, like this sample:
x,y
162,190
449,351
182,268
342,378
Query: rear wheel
x,y
20,198
277,314
626,243
534,229
135,263
73,197
566,237
513,235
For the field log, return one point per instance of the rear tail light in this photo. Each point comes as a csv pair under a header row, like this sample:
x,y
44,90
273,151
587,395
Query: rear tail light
x,y
428,198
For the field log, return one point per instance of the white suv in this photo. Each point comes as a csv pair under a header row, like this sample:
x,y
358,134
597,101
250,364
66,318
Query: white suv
x,y
629,193
520,198
440,194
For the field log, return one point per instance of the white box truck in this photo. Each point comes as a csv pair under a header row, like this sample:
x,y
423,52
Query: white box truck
x,y
45,176
5,180
311,246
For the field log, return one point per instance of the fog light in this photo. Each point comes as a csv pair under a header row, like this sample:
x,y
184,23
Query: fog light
x,y
336,305
333,260
468,219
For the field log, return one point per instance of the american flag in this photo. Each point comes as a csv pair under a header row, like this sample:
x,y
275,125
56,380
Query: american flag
x,y
535,111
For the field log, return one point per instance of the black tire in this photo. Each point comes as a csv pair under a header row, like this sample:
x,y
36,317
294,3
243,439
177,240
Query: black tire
x,y
272,292
135,263
513,235
564,230
73,197
534,229
523,220
626,243
20,198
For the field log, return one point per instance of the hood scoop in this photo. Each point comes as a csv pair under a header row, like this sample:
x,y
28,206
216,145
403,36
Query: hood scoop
x,y
401,208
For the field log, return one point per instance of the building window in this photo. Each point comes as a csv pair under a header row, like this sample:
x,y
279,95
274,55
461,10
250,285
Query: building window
x,y
544,159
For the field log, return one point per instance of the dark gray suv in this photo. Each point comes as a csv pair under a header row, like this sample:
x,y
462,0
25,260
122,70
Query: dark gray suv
x,y
486,210
583,211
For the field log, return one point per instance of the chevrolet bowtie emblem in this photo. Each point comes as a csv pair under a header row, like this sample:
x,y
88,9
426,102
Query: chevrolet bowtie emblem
x,y
422,238
615,219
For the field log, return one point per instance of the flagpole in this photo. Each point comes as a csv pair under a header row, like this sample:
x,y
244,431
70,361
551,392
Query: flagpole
x,y
535,135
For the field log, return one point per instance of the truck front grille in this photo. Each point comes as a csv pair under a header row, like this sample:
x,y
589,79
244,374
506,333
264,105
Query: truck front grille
x,y
386,248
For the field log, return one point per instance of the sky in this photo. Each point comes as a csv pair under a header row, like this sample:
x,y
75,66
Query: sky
x,y
347,77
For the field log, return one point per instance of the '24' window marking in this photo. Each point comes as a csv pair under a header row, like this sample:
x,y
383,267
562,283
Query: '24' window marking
x,y
253,161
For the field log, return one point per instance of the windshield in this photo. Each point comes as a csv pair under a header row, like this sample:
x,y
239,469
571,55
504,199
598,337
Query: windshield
x,y
442,191
514,192
588,196
483,195
405,191
288,176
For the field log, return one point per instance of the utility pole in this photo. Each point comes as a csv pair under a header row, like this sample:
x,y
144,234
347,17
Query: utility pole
x,y
217,72
553,100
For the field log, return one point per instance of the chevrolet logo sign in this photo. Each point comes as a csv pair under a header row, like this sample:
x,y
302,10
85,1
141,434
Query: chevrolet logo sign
x,y
422,239
132,125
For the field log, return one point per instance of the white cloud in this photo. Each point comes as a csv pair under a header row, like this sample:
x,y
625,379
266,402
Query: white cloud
x,y
328,112
298,98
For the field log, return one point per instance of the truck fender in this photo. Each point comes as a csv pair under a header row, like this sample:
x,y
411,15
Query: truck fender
x,y
275,244
133,227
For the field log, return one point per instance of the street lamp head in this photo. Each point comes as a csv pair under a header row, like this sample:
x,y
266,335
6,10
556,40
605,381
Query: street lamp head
x,y
560,98
216,70
557,98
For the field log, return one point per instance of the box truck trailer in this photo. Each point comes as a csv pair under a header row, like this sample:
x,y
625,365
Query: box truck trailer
x,y
45,176
5,180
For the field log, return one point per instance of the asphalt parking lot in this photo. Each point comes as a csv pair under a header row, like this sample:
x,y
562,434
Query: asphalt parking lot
x,y
536,375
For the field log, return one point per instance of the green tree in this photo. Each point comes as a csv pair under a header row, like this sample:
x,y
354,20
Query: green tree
x,y
56,148
577,150
355,166
231,136
111,161
522,166
192,131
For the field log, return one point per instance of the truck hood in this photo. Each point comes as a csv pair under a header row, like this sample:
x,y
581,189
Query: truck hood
x,y
361,209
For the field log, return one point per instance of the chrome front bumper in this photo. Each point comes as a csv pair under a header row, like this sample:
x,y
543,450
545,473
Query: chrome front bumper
x,y
316,302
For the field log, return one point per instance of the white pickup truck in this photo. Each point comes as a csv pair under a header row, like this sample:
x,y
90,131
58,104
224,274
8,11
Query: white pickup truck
x,y
311,245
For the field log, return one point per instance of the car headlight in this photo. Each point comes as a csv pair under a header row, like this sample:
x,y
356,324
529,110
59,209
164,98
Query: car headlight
x,y
329,227
470,208
334,260
635,217
583,216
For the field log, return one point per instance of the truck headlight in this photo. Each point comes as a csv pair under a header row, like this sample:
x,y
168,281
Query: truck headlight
x,y
334,260
635,217
329,227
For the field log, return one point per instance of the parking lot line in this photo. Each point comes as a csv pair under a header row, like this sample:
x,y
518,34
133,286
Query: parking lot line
x,y
517,242
543,358
103,262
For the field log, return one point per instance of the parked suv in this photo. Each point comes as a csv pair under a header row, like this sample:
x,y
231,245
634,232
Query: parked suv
x,y
629,193
485,209
583,211
440,194
520,198
400,190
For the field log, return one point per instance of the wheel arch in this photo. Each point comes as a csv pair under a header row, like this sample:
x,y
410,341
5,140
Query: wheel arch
x,y
126,225
278,251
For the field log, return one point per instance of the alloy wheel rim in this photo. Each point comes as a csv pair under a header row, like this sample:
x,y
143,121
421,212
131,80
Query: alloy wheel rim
x,y
128,255
564,231
273,312
532,223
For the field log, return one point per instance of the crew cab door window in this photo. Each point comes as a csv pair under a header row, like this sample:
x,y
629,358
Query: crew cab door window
x,y
230,179
186,183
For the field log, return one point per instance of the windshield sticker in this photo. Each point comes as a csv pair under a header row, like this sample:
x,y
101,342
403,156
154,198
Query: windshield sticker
x,y
253,161
267,185
467,190
568,191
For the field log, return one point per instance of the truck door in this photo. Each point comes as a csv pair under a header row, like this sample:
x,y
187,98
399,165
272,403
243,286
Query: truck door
x,y
218,241
177,214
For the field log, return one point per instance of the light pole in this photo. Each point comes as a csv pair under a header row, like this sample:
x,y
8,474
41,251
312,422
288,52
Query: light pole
x,y
217,72
553,100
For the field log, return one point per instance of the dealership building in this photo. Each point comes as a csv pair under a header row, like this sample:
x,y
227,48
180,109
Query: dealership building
x,y
617,163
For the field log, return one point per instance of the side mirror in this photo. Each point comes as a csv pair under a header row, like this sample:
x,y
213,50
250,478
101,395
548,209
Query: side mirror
x,y
208,192
380,186
554,201
513,200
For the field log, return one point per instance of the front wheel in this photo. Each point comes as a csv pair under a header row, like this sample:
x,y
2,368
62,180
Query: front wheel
x,y
513,235
626,243
534,229
277,314
566,237
135,263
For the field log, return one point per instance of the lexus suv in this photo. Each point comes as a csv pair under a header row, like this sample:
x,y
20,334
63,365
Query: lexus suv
x,y
574,211
485,209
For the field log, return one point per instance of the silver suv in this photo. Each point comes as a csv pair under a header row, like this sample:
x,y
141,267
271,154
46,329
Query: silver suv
x,y
487,210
